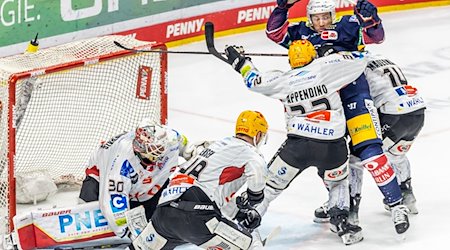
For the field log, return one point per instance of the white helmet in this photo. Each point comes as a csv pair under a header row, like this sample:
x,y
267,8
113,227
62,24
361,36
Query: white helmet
x,y
321,6
150,140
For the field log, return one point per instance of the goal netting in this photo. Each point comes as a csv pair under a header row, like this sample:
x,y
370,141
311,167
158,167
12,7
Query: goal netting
x,y
58,104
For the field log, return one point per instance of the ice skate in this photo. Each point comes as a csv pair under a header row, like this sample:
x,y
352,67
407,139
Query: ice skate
x,y
399,215
349,233
409,200
321,214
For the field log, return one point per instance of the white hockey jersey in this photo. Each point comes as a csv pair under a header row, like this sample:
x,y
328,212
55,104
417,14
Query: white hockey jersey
x,y
122,178
389,88
313,107
220,170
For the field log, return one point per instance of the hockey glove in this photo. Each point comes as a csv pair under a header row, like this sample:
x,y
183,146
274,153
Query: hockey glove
x,y
325,50
286,4
366,13
247,215
248,218
195,148
235,57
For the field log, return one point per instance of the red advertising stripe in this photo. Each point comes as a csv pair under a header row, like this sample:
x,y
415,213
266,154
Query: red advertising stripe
x,y
233,19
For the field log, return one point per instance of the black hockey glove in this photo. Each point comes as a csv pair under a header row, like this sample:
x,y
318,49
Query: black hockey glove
x,y
248,218
235,57
325,50
247,215
286,4
366,13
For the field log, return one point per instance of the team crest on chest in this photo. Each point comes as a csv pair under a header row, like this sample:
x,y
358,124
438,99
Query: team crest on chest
x,y
329,35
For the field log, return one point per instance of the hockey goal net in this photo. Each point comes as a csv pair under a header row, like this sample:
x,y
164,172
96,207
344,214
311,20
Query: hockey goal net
x,y
58,104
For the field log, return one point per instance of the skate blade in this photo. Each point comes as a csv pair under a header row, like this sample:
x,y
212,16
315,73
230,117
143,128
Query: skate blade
x,y
401,237
321,220
349,239
412,209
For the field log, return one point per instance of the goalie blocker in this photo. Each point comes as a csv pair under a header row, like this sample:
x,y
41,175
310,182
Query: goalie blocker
x,y
75,226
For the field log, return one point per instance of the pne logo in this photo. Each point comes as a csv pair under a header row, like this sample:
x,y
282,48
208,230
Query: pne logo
x,y
118,203
87,220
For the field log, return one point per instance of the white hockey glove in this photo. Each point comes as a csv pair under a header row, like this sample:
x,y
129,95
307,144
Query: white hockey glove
x,y
195,148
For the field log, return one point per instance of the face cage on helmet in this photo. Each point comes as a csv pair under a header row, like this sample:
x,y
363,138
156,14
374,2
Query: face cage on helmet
x,y
149,150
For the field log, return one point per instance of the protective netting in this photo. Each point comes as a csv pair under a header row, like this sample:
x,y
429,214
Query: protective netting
x,y
94,90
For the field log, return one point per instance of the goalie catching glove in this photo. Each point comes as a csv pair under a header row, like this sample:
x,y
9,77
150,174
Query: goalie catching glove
x,y
366,13
237,59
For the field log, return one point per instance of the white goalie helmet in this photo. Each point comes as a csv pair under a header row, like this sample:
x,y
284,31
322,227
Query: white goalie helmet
x,y
321,6
151,140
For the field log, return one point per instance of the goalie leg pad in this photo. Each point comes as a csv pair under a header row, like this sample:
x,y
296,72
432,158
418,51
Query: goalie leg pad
x,y
226,235
149,239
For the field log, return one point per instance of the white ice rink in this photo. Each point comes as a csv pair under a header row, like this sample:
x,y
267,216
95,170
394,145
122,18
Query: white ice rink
x,y
206,95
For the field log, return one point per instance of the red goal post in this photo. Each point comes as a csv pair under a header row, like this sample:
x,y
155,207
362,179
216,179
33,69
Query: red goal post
x,y
58,104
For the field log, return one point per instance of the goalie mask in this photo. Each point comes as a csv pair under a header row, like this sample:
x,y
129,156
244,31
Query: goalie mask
x,y
301,52
250,123
150,141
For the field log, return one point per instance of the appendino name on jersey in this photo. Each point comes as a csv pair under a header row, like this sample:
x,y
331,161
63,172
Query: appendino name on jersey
x,y
308,93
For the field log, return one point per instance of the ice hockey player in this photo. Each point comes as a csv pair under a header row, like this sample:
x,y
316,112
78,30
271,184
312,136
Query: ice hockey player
x,y
189,209
348,33
402,114
315,121
131,170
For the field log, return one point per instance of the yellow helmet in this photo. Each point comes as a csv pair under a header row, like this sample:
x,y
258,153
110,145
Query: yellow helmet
x,y
250,123
301,52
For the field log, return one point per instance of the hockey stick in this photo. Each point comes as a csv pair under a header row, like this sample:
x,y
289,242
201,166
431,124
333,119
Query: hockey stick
x,y
159,51
272,235
105,246
209,38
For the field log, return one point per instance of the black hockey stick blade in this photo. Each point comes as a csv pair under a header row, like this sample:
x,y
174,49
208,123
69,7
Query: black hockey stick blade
x,y
209,37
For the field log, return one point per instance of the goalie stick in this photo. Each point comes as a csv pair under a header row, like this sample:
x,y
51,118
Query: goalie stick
x,y
104,246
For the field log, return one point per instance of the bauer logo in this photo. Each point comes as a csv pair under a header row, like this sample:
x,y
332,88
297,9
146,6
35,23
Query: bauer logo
x,y
75,222
118,203
144,83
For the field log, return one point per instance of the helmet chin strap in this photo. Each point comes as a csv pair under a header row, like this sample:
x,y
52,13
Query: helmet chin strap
x,y
262,139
